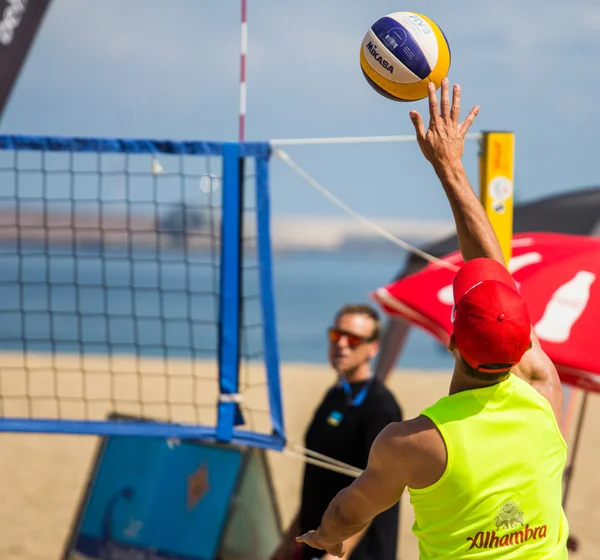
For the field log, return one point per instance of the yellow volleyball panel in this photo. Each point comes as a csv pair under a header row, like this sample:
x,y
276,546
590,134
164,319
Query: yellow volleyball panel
x,y
442,67
393,90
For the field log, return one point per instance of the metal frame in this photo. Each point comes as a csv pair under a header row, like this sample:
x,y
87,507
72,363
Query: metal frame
x,y
230,324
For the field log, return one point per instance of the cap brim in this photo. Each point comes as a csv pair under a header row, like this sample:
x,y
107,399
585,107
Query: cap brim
x,y
479,270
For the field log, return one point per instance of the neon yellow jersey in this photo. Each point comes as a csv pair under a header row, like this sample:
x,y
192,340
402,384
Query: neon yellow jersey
x,y
501,493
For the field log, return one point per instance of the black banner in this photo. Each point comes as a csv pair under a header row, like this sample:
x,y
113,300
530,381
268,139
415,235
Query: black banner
x,y
19,22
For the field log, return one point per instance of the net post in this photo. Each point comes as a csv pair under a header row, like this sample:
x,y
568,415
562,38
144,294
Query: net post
x,y
230,324
496,184
263,215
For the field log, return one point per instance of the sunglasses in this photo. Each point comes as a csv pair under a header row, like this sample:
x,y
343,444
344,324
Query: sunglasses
x,y
354,340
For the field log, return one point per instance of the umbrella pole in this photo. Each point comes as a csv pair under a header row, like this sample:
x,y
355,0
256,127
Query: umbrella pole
x,y
395,336
579,429
572,542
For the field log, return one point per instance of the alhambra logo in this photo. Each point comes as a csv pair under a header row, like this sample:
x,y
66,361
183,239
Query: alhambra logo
x,y
511,530
509,516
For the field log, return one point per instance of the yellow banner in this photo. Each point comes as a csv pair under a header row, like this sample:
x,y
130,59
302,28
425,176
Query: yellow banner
x,y
496,168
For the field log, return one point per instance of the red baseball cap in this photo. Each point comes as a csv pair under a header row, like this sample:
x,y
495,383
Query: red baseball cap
x,y
492,328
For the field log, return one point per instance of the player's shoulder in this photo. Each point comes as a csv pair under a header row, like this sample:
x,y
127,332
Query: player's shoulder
x,y
412,434
417,438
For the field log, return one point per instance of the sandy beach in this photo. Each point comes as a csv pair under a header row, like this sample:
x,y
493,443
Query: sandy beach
x,y
42,476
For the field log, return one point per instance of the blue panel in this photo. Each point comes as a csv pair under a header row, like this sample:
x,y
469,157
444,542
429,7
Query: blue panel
x,y
130,146
267,294
154,498
403,45
229,323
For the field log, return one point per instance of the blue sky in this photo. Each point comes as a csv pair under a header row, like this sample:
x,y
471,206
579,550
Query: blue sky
x,y
170,69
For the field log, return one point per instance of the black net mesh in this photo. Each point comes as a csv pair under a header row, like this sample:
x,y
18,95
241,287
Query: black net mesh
x,y
109,288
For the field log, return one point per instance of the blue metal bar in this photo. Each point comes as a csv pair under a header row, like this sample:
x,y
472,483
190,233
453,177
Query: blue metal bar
x,y
127,145
263,212
229,311
133,428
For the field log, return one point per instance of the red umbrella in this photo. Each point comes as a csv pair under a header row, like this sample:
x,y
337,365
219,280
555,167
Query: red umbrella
x,y
556,274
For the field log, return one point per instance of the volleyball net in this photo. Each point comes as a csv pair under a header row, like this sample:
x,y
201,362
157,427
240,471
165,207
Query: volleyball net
x,y
136,282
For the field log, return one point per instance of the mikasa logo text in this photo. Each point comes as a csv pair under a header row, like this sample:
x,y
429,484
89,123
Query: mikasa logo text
x,y
375,54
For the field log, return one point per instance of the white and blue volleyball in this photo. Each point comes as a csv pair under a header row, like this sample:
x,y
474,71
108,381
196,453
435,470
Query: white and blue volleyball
x,y
401,53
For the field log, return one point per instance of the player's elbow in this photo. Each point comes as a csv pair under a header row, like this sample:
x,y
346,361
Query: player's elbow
x,y
349,508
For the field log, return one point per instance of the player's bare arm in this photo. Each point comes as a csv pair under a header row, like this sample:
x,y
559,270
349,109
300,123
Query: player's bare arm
x,y
538,370
442,145
396,460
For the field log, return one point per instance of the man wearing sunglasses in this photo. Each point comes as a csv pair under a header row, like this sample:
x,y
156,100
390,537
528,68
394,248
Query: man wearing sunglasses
x,y
344,426
484,464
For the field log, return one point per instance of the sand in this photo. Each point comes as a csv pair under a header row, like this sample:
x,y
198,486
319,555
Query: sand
x,y
42,476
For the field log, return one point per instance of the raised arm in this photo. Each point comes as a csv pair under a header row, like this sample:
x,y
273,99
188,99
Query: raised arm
x,y
442,145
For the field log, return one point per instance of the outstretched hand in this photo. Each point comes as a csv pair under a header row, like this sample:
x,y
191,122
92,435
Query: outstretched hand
x,y
313,540
443,142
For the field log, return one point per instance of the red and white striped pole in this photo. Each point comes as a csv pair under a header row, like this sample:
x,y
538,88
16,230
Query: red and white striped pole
x,y
243,51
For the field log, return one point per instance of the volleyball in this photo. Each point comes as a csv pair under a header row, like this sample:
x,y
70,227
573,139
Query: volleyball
x,y
401,53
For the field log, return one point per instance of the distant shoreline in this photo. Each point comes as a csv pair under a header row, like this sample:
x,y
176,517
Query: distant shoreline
x,y
288,233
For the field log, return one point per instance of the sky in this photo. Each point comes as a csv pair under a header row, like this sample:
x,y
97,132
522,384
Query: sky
x,y
170,69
